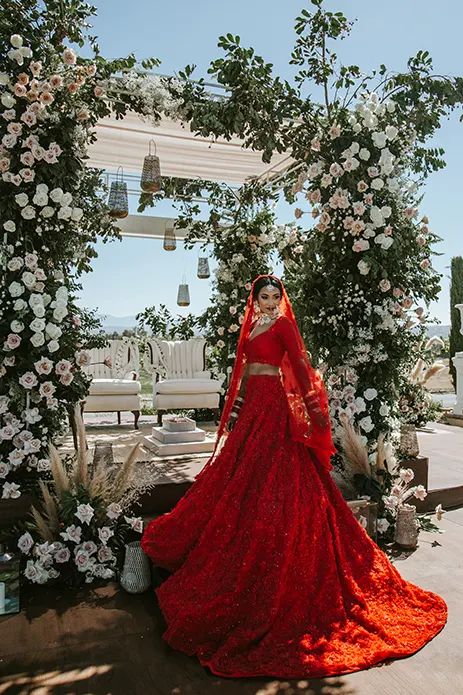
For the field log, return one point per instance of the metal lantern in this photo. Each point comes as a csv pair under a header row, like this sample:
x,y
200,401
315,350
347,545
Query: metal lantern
x,y
183,297
151,175
408,445
203,268
118,201
406,526
170,242
135,577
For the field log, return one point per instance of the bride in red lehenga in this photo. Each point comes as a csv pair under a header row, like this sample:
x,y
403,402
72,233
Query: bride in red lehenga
x,y
271,573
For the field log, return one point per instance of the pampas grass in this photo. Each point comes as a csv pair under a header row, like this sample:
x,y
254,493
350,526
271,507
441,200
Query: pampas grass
x,y
434,369
381,454
80,480
420,374
58,471
355,452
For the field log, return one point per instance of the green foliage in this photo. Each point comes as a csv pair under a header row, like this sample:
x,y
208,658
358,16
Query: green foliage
x,y
456,297
164,325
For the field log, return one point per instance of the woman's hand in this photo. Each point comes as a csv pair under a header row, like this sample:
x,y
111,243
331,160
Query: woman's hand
x,y
234,413
318,417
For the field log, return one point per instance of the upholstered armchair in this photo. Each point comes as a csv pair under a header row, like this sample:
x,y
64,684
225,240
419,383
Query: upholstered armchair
x,y
180,378
115,386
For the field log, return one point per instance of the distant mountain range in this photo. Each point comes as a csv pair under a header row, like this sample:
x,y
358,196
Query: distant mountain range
x,y
117,324
438,329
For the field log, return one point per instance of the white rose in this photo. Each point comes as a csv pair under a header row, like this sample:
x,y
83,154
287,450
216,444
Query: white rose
x,y
9,226
64,213
22,199
4,469
382,525
360,404
28,212
56,195
35,300
376,216
366,424
16,289
40,198
37,339
28,279
53,331
77,214
386,211
62,294
15,264
39,311
25,543
364,154
391,132
370,394
60,312
379,139
7,100
17,326
16,40
19,305
377,184
47,212
384,410
363,267
31,261
53,346
37,325
66,200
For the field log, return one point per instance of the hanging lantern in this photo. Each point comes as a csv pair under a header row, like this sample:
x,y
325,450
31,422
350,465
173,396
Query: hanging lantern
x,y
151,175
203,268
183,297
118,201
170,242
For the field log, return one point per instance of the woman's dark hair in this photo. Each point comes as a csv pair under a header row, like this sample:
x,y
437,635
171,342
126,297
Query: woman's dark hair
x,y
263,282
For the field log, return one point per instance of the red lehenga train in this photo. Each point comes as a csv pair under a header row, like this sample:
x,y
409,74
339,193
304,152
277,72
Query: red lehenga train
x,y
271,573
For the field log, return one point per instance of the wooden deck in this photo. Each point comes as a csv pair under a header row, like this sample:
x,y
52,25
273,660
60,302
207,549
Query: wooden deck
x,y
106,641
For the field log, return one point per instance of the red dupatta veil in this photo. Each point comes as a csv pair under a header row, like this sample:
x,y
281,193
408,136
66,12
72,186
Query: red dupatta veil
x,y
303,385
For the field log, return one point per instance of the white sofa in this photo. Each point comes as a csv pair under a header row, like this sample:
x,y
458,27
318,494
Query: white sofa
x,y
115,388
180,378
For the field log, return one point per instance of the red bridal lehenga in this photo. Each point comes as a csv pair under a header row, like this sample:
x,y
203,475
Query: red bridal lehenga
x,y
271,573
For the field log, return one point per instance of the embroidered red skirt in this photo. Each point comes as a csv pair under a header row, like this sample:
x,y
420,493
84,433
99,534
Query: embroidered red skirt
x,y
271,573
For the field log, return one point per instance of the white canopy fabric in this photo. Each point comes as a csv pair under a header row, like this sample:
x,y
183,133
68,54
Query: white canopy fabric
x,y
148,226
125,143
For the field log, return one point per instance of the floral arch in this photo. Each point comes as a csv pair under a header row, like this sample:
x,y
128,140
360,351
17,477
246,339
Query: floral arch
x,y
357,275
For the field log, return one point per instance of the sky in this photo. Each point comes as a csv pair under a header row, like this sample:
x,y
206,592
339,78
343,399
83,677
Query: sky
x,y
134,273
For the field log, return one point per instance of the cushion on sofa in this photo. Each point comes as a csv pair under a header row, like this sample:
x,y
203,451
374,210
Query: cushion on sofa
x,y
105,387
187,386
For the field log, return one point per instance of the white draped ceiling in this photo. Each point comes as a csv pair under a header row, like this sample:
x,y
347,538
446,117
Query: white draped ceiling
x,y
182,154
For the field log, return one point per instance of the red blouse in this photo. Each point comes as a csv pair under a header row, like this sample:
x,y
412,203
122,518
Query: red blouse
x,y
270,346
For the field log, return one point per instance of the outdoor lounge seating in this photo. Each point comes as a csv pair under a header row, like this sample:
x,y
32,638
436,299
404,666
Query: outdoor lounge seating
x,y
180,379
115,386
